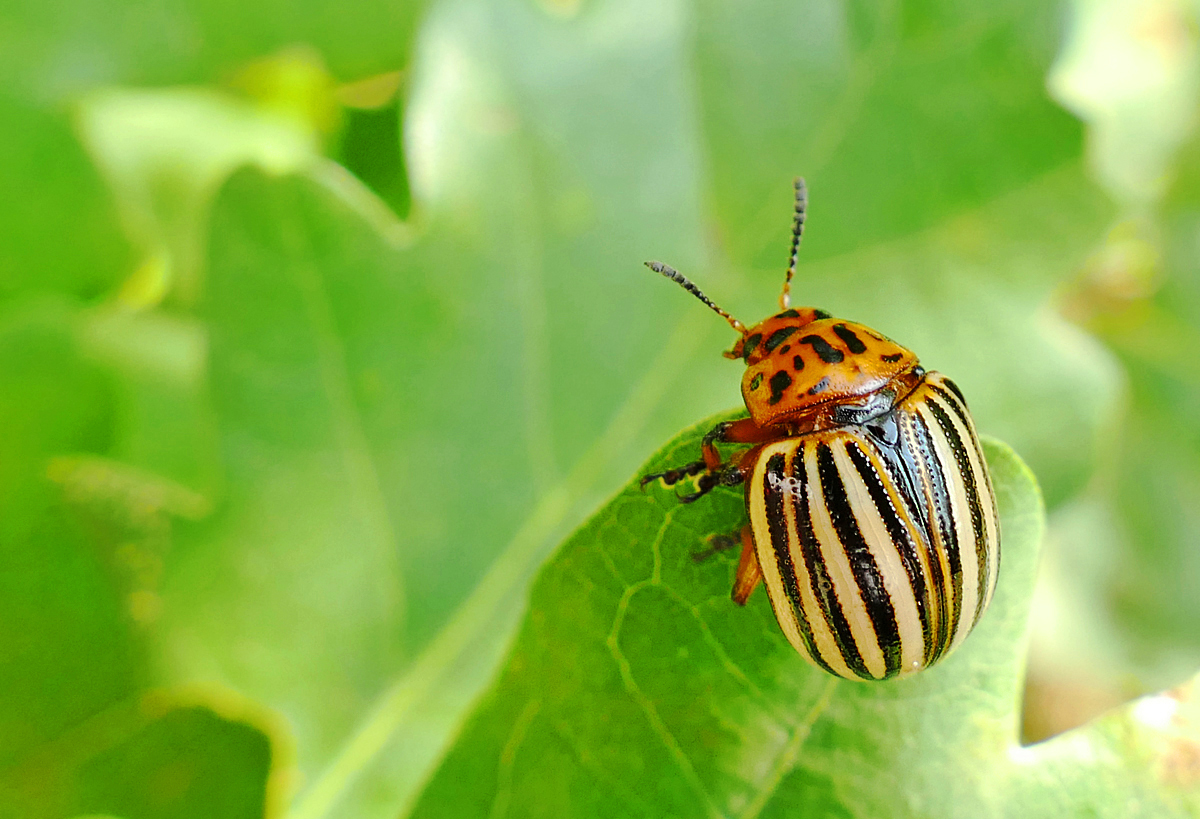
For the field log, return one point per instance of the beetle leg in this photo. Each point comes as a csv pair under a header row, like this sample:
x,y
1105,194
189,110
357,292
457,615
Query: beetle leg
x,y
712,458
749,573
728,475
674,476
742,431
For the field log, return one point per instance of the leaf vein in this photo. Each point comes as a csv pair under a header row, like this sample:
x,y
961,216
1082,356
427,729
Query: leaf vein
x,y
655,720
786,760
504,771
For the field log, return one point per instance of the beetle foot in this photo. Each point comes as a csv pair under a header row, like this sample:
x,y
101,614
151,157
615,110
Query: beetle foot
x,y
674,476
728,475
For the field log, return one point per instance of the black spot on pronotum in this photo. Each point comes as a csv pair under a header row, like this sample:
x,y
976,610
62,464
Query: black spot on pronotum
x,y
820,386
788,314
797,363
756,381
894,357
824,351
853,343
751,343
778,337
779,382
821,314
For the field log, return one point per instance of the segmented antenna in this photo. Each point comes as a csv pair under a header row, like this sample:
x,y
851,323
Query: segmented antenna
x,y
785,298
677,277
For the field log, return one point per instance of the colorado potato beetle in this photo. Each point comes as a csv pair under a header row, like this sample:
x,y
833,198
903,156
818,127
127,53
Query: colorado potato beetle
x,y
873,523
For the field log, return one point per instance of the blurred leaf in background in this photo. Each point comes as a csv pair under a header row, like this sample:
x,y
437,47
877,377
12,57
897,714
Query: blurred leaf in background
x,y
1118,602
279,466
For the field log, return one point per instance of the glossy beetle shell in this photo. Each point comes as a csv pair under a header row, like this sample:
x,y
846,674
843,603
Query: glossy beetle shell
x,y
873,523
878,542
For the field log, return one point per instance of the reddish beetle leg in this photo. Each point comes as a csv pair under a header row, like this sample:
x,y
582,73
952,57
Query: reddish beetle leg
x,y
749,573
712,471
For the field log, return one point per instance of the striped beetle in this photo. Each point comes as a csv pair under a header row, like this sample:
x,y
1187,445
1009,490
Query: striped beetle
x,y
873,523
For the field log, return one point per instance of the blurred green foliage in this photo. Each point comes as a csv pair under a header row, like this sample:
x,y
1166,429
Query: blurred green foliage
x,y
319,330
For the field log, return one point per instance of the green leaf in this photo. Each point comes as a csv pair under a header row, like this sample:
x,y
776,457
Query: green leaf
x,y
163,423
157,757
303,542
67,651
61,234
1126,571
899,114
46,54
166,153
186,762
76,576
636,688
1152,493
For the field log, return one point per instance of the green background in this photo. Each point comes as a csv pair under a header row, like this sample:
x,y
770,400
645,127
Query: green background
x,y
303,378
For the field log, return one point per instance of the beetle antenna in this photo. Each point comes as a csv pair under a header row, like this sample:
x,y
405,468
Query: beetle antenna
x,y
785,298
677,277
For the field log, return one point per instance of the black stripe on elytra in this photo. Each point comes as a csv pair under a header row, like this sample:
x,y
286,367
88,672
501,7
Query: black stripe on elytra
x,y
972,489
893,358
778,337
823,592
824,350
875,596
954,389
960,409
963,413
821,314
900,536
788,314
942,530
905,465
775,477
779,382
853,343
819,387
